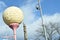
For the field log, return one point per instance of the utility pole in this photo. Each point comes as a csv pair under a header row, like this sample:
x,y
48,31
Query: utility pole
x,y
38,7
25,32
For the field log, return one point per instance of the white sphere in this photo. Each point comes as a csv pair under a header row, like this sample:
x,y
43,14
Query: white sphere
x,y
13,15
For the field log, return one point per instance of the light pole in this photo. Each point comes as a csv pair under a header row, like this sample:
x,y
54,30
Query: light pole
x,y
25,32
38,7
13,16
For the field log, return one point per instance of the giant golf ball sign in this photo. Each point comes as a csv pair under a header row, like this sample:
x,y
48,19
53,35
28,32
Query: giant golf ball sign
x,y
13,15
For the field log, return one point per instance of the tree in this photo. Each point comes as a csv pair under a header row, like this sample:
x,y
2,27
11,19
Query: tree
x,y
52,28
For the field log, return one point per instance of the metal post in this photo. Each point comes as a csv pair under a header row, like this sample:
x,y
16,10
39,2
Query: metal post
x,y
44,28
14,31
14,26
25,32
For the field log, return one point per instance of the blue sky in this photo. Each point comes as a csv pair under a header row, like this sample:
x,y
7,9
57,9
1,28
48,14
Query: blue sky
x,y
50,8
14,2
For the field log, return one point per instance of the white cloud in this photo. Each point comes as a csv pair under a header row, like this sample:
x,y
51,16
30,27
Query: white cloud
x,y
55,18
52,18
2,6
4,29
28,10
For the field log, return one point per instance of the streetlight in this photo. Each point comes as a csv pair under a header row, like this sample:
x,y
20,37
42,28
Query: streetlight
x,y
13,16
38,7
